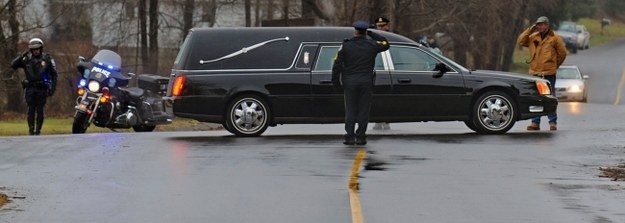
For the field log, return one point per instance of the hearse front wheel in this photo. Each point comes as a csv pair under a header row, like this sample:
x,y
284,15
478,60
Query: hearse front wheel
x,y
248,115
494,113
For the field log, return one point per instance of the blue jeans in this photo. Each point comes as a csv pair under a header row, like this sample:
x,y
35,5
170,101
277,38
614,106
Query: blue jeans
x,y
553,117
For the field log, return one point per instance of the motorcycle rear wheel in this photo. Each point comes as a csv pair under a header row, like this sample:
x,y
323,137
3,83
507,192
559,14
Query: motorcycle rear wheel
x,y
144,128
80,124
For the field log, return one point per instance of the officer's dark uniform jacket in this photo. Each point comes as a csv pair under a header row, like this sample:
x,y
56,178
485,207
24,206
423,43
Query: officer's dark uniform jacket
x,y
356,59
354,65
40,71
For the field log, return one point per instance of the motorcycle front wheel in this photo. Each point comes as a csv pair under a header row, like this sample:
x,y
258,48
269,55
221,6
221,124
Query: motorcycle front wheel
x,y
80,124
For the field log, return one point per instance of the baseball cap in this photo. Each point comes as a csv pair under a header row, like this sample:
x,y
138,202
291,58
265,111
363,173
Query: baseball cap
x,y
542,19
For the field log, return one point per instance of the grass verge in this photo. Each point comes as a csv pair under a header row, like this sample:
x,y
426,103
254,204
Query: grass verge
x,y
52,126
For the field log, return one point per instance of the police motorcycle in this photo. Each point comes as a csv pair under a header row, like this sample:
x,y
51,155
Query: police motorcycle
x,y
105,100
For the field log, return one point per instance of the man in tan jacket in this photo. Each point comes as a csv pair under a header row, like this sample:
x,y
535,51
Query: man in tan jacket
x,y
547,52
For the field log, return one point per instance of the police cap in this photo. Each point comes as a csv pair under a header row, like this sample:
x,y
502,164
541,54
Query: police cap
x,y
381,21
361,25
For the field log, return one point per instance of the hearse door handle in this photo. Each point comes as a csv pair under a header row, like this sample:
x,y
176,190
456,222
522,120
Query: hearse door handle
x,y
404,81
325,82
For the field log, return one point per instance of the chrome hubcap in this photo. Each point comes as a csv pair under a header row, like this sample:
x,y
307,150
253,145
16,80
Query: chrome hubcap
x,y
249,115
495,112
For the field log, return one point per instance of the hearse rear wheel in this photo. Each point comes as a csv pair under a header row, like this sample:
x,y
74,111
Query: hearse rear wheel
x,y
248,115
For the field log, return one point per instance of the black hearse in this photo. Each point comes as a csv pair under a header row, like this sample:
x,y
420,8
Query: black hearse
x,y
250,78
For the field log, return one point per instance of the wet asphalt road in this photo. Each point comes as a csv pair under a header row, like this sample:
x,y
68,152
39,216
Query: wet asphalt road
x,y
416,172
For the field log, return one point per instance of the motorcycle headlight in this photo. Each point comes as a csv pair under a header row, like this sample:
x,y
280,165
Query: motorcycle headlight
x,y
94,86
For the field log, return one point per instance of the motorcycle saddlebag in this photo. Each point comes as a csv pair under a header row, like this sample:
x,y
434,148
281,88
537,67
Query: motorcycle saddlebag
x,y
154,83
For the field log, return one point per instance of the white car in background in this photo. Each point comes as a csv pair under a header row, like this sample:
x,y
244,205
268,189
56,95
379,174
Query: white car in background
x,y
583,37
571,84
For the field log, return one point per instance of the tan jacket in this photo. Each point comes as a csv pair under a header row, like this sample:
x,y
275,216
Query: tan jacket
x,y
546,55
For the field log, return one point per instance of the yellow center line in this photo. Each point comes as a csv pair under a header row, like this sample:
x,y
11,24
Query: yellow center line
x,y
619,89
354,199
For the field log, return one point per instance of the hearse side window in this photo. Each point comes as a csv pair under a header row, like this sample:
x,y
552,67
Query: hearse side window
x,y
328,53
306,57
411,59
326,57
379,65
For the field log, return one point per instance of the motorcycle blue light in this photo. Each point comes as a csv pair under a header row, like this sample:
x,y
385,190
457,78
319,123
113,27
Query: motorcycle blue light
x,y
82,83
110,67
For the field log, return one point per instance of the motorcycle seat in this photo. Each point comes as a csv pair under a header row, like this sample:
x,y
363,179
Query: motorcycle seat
x,y
134,92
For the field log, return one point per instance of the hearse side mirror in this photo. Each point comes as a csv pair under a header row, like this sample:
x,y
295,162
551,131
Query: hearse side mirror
x,y
441,68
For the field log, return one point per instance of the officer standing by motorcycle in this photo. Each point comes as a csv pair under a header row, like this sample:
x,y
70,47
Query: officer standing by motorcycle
x,y
40,82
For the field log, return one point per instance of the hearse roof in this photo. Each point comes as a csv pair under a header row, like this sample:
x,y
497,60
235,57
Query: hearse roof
x,y
258,47
300,34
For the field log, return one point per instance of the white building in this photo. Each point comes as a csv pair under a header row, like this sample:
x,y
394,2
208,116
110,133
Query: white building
x,y
115,22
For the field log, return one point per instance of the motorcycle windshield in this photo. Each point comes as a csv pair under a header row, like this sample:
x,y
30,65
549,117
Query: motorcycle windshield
x,y
105,67
108,59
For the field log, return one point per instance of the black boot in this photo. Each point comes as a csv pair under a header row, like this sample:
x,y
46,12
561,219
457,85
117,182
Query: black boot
x,y
31,130
361,140
348,140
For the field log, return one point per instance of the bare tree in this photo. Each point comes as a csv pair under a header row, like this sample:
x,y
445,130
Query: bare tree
x,y
188,8
153,38
143,33
23,21
248,13
9,46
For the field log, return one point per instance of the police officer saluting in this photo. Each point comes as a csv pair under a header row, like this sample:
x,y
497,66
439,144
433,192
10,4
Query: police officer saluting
x,y
353,67
40,81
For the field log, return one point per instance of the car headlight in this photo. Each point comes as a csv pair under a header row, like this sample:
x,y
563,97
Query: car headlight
x,y
575,89
93,86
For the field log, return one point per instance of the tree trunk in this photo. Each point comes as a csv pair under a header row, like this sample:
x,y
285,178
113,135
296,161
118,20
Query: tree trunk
x,y
270,9
189,6
153,37
257,13
143,25
285,12
248,13
13,89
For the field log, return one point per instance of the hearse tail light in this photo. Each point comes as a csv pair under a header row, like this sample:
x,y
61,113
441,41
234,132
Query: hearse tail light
x,y
543,88
178,85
